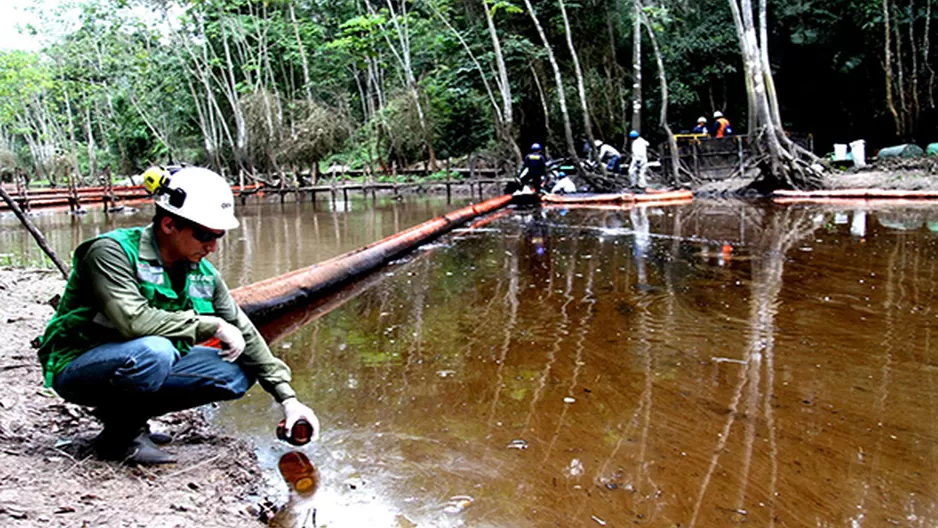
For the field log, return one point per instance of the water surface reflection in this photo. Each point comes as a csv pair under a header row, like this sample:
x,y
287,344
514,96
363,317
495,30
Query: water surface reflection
x,y
274,237
700,365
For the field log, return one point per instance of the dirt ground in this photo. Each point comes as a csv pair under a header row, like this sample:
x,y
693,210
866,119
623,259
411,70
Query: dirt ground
x,y
48,476
920,174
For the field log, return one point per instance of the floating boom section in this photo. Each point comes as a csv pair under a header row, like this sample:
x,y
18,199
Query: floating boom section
x,y
622,198
264,299
859,193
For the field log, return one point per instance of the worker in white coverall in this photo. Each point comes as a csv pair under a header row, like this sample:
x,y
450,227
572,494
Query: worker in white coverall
x,y
639,160
608,155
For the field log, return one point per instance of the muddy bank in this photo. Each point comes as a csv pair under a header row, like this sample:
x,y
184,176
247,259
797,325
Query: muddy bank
x,y
47,474
908,175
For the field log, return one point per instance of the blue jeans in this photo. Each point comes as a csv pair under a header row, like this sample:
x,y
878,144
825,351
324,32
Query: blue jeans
x,y
146,377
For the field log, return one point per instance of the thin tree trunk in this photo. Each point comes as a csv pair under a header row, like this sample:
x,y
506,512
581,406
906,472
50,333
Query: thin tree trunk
x,y
900,81
71,130
890,103
91,146
925,53
504,87
581,88
663,82
404,57
637,66
231,89
558,80
913,53
299,43
499,116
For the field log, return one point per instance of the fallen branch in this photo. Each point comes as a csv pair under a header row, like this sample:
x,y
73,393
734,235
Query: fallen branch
x,y
37,235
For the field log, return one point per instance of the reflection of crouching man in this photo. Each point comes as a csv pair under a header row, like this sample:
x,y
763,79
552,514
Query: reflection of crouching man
x,y
123,337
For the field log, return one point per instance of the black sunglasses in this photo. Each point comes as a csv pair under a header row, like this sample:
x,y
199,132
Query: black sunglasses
x,y
198,232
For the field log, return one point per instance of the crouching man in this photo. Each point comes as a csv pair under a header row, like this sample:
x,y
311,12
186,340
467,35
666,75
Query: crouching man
x,y
123,339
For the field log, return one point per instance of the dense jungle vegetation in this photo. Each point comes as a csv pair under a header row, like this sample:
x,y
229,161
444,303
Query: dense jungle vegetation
x,y
270,86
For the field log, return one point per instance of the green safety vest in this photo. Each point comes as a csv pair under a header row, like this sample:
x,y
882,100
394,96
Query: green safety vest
x,y
77,326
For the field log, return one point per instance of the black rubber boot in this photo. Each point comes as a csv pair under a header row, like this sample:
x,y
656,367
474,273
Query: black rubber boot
x,y
129,445
157,437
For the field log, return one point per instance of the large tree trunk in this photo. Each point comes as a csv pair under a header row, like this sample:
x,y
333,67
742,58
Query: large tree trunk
x,y
783,164
558,80
766,66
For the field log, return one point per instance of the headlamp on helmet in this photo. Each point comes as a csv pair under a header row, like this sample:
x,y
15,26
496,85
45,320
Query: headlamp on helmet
x,y
156,181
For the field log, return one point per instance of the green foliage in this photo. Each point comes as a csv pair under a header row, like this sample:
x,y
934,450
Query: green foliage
x,y
251,84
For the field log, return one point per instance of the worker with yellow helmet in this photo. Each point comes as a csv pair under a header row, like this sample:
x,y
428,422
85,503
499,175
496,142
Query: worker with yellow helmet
x,y
124,337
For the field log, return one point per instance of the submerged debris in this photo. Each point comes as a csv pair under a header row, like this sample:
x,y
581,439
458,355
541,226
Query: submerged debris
x,y
518,444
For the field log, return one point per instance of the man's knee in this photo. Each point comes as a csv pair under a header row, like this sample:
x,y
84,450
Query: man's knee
x,y
234,382
150,363
224,380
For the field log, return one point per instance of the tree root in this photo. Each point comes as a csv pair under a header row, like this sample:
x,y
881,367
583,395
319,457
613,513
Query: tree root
x,y
795,168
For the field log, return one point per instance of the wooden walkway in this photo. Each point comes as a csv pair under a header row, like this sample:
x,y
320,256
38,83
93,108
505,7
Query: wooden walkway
x,y
77,198
476,187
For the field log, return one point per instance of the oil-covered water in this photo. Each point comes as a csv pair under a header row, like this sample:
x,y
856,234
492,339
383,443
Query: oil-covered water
x,y
702,365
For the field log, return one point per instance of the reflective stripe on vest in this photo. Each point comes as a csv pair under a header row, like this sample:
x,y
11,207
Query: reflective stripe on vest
x,y
77,326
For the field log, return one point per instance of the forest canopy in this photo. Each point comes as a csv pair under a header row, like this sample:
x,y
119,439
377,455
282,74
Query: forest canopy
x,y
280,86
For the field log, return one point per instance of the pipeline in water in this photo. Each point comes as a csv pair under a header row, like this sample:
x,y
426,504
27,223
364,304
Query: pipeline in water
x,y
265,300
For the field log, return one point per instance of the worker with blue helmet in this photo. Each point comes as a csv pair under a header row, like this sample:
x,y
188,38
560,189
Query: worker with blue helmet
x,y
563,185
533,168
639,160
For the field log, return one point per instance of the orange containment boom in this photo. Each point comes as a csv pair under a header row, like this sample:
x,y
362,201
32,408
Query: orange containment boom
x,y
265,299
865,194
651,196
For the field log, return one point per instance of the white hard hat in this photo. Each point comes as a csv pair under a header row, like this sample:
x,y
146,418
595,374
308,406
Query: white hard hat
x,y
701,119
718,114
201,196
598,143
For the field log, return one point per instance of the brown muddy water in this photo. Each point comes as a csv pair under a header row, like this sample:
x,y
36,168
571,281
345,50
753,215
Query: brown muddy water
x,y
713,364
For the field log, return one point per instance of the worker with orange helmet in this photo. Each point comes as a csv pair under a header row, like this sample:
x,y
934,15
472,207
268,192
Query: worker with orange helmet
x,y
721,125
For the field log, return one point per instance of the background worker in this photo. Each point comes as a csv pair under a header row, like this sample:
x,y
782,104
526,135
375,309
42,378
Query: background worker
x,y
701,127
564,184
533,168
123,339
639,161
721,125
609,155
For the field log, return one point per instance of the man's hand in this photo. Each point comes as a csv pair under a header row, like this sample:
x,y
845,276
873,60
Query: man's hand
x,y
293,411
230,337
